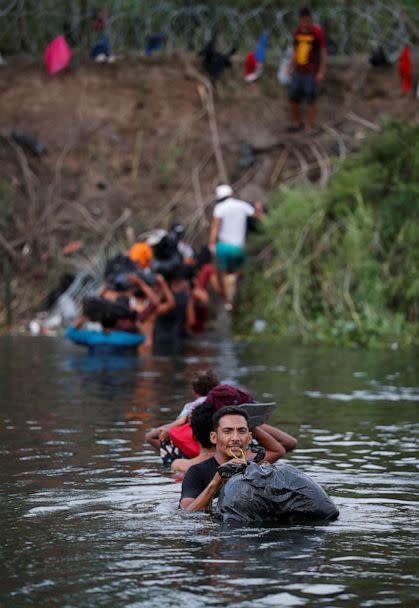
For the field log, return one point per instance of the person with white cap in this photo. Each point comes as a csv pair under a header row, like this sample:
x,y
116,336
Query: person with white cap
x,y
228,236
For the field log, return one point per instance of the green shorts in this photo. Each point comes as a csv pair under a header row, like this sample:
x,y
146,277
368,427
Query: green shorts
x,y
230,257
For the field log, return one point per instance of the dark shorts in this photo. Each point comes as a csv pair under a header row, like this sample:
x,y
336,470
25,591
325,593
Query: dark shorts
x,y
303,86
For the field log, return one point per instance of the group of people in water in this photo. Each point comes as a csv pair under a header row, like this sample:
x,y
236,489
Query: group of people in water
x,y
211,431
224,449
161,288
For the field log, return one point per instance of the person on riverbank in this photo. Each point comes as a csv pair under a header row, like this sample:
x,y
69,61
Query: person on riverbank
x,y
227,237
100,51
231,438
307,68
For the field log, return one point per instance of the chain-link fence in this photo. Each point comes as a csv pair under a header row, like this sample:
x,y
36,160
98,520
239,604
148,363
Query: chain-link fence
x,y
352,27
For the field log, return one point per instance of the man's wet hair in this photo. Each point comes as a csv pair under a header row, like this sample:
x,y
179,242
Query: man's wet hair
x,y
229,410
201,424
204,381
305,12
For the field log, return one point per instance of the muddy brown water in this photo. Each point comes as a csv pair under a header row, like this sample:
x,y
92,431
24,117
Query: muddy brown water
x,y
90,518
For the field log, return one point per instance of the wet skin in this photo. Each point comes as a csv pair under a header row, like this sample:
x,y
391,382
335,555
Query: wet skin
x,y
231,437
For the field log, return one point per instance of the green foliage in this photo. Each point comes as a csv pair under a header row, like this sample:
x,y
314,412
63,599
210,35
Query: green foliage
x,y
342,266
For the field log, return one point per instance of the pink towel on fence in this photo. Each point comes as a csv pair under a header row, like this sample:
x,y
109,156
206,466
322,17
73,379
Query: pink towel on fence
x,y
57,55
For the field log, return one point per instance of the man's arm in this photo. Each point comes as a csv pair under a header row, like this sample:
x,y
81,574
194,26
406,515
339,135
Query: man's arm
x,y
215,226
259,210
169,300
148,291
203,501
322,67
321,72
291,63
292,60
165,428
274,450
190,314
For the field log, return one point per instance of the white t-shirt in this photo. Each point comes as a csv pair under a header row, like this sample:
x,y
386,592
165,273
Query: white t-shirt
x,y
233,214
188,408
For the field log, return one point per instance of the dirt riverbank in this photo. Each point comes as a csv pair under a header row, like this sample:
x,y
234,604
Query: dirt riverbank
x,y
135,144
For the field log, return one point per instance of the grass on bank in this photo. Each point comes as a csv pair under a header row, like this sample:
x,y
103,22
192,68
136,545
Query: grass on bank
x,y
342,265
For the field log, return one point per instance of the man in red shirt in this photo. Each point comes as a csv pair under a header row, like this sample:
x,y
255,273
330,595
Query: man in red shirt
x,y
308,66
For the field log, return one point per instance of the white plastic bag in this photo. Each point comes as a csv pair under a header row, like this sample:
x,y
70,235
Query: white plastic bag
x,y
284,77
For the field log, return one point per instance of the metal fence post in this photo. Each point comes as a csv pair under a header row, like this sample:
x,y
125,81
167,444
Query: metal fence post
x,y
7,273
348,23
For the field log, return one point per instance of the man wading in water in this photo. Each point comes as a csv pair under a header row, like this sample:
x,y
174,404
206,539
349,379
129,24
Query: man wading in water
x,y
231,437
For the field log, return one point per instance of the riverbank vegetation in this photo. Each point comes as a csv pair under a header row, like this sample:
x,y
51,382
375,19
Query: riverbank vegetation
x,y
341,265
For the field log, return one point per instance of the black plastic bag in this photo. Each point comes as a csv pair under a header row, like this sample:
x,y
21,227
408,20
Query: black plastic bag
x,y
274,493
29,142
63,284
119,264
170,268
104,311
379,58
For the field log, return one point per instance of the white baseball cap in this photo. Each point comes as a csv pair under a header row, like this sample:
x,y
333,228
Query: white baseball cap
x,y
155,236
223,191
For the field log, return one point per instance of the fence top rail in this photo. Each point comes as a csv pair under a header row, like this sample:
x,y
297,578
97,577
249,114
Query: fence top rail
x,y
353,26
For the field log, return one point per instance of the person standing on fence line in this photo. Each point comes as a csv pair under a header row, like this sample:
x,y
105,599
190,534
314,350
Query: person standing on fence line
x,y
228,237
307,68
100,51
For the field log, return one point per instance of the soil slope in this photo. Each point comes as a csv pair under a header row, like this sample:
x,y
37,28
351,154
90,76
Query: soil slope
x,y
130,144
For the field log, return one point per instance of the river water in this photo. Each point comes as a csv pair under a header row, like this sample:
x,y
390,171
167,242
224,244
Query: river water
x,y
90,516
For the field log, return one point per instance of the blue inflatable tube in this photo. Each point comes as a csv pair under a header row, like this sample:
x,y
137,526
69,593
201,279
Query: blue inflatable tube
x,y
99,342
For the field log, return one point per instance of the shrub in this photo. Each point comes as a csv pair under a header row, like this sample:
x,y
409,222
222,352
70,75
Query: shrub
x,y
343,265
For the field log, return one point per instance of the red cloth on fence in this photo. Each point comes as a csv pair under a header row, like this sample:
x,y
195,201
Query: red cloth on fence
x,y
405,70
57,55
250,64
181,437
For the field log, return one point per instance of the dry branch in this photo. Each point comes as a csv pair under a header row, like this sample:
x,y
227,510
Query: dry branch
x,y
8,247
323,163
279,166
362,121
208,102
339,138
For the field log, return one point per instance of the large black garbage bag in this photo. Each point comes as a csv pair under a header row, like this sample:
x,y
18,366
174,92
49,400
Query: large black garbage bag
x,y
170,268
104,311
263,492
119,264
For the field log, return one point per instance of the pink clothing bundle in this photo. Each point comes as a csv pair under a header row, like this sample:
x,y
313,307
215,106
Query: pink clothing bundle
x,y
57,55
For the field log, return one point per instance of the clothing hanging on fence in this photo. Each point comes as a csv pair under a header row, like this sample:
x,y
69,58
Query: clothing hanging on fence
x,y
57,55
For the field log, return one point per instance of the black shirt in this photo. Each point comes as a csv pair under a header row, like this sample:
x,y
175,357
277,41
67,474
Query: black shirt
x,y
198,477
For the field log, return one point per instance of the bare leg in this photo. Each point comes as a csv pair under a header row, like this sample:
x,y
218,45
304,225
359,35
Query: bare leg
x,y
230,282
220,281
296,114
311,115
288,441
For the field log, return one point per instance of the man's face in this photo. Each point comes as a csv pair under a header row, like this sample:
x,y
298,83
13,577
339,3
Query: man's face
x,y
231,436
306,24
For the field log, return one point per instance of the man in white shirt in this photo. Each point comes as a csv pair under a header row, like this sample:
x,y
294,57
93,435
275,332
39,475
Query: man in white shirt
x,y
228,236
